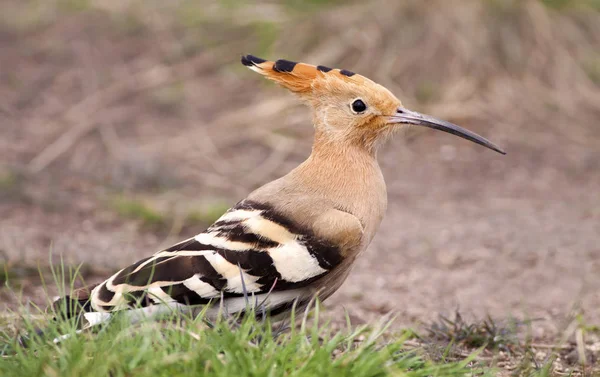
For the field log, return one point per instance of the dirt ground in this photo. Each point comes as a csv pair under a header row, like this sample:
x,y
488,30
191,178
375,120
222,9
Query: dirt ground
x,y
148,107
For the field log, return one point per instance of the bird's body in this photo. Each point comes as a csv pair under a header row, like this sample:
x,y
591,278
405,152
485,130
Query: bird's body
x,y
295,237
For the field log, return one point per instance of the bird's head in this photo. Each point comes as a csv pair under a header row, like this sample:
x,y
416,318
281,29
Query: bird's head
x,y
348,107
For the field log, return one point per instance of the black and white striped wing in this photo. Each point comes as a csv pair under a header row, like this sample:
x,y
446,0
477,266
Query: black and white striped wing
x,y
251,245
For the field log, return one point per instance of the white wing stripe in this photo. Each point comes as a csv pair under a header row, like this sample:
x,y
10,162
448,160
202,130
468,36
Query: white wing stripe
x,y
269,230
240,214
294,262
159,296
222,242
201,288
182,253
231,272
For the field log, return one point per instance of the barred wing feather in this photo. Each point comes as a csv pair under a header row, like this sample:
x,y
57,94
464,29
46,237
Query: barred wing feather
x,y
250,248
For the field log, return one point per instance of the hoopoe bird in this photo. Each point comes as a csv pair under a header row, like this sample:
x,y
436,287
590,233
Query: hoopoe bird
x,y
293,238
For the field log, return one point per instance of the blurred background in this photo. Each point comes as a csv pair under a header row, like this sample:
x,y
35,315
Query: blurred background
x,y
128,125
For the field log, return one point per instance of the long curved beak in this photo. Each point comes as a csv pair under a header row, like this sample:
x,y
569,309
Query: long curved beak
x,y
412,117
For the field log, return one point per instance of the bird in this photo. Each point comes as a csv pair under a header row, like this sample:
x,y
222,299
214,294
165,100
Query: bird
x,y
293,239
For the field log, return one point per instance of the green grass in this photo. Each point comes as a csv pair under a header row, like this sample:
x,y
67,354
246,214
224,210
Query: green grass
x,y
426,92
168,99
183,345
152,216
11,186
74,5
562,4
207,214
487,333
138,210
188,347
591,66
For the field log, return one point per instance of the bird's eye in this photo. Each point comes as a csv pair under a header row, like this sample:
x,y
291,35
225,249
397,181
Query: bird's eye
x,y
358,106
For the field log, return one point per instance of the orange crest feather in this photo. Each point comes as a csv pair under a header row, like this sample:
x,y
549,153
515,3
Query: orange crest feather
x,y
297,77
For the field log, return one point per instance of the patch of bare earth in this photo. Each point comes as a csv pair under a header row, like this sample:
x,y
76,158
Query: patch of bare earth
x,y
150,103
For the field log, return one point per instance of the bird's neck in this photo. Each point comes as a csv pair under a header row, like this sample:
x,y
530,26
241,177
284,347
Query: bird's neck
x,y
354,163
348,175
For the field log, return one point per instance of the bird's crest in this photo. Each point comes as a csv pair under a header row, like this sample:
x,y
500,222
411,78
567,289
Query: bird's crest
x,y
300,78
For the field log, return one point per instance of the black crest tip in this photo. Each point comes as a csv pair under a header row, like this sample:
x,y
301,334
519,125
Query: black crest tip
x,y
250,60
283,65
322,68
347,73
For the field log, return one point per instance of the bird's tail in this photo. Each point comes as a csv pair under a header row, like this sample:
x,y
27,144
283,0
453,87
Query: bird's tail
x,y
74,307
